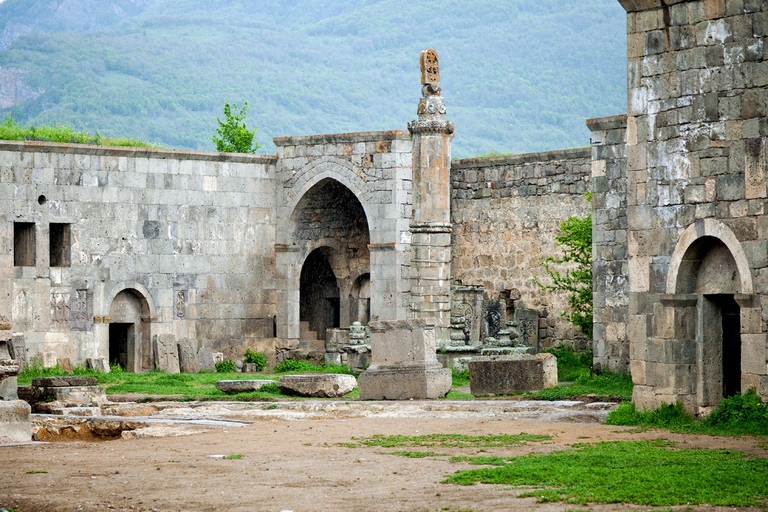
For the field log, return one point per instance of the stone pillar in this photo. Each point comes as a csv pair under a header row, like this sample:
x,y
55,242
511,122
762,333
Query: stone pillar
x,y
431,226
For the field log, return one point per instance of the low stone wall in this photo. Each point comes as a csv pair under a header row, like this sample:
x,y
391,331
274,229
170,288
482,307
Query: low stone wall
x,y
506,213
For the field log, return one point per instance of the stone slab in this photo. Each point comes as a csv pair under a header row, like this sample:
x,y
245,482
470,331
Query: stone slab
x,y
329,385
166,353
97,364
188,362
506,375
65,394
15,422
8,388
207,362
64,381
232,387
404,384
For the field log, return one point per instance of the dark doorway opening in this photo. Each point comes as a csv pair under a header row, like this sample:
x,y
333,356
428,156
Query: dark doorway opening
x,y
731,320
119,337
319,302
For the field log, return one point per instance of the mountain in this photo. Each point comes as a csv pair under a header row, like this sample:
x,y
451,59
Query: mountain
x,y
517,75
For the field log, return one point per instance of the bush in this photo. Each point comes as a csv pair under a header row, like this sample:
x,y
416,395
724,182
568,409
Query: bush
x,y
739,409
226,366
257,358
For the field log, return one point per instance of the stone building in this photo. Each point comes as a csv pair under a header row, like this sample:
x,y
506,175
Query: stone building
x,y
112,252
105,248
680,221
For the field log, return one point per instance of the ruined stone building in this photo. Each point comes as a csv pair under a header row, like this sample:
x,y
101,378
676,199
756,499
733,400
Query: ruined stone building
x,y
105,248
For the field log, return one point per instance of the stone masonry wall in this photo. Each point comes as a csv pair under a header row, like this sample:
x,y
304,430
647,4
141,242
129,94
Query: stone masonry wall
x,y
609,242
188,232
506,212
697,127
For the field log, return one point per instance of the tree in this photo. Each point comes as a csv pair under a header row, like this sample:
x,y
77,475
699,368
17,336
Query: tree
x,y
576,243
233,136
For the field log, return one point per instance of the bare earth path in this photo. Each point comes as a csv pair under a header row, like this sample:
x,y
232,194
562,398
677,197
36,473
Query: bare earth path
x,y
291,460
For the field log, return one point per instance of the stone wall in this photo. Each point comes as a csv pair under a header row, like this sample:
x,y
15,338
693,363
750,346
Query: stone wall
x,y
183,236
609,242
697,127
506,212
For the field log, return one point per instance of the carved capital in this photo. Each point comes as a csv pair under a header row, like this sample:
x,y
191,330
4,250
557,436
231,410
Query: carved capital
x,y
430,127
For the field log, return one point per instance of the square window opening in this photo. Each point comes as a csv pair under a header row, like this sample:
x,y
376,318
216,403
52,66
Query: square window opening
x,y
60,245
23,244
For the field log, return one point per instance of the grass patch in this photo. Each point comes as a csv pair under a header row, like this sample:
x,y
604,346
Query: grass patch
x,y
303,366
416,455
608,384
11,130
571,365
492,154
452,440
234,456
36,471
641,472
460,379
741,414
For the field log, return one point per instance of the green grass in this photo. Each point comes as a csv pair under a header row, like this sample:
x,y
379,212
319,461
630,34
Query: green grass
x,y
492,154
303,366
742,414
641,472
460,380
11,130
416,455
234,456
452,440
618,385
571,364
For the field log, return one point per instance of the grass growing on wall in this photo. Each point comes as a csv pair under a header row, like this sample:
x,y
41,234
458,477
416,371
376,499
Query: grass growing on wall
x,y
11,130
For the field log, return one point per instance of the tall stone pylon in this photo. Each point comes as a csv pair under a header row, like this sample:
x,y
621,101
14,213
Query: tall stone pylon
x,y
431,226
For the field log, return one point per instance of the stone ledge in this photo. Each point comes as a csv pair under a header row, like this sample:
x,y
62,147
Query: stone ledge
x,y
607,123
120,151
647,5
333,138
524,158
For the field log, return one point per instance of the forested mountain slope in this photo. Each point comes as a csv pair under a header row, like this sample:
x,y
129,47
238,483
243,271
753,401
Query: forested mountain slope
x,y
518,75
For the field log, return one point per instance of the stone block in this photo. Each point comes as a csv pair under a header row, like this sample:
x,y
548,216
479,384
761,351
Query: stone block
x,y
63,381
505,375
330,385
166,353
18,349
15,422
232,387
188,362
753,353
97,364
8,388
205,357
392,383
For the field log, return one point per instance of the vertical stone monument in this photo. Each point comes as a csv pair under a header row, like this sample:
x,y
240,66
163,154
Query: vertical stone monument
x,y
431,226
404,362
15,423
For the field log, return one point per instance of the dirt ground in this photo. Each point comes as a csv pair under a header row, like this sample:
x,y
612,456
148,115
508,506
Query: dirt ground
x,y
292,461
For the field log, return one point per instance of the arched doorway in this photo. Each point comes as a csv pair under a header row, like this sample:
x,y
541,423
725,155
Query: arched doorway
x,y
129,336
319,303
713,309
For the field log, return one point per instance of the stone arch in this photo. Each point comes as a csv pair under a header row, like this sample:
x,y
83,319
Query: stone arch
x,y
693,246
313,173
130,317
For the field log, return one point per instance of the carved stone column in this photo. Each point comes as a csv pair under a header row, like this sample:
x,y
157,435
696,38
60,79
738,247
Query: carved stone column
x,y
431,227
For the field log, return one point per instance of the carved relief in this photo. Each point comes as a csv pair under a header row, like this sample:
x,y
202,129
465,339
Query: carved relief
x,y
180,304
430,70
81,310
60,309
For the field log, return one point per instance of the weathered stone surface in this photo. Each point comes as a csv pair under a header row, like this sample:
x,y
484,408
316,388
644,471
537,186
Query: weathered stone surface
x,y
404,363
188,362
15,422
63,394
65,365
505,375
64,381
207,362
232,387
98,364
18,349
166,353
249,367
330,385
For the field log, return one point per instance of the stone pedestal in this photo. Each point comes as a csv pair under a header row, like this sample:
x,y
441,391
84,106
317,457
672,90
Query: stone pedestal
x,y
510,374
404,362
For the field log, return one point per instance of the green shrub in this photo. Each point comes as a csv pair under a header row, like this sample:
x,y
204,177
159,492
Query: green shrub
x,y
257,358
739,409
226,366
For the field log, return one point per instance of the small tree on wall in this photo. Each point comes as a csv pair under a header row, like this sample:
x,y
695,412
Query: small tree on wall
x,y
576,244
232,135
